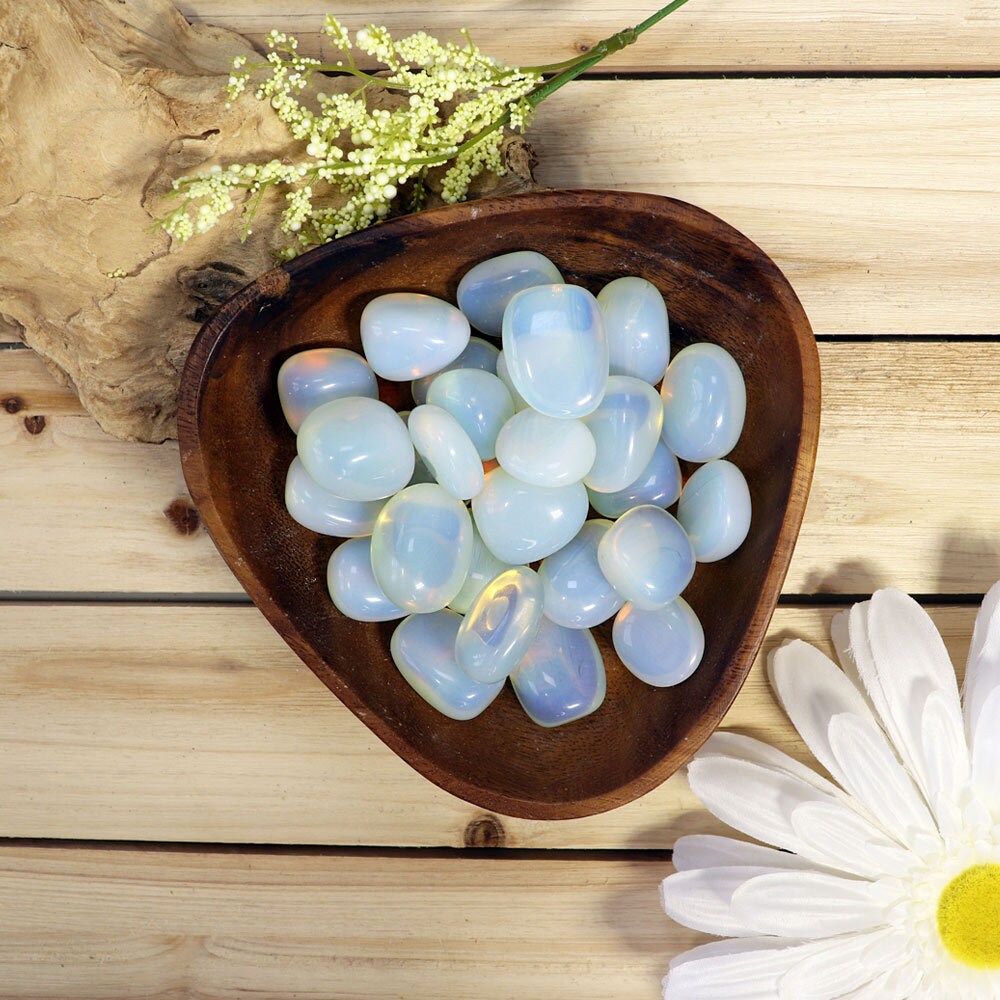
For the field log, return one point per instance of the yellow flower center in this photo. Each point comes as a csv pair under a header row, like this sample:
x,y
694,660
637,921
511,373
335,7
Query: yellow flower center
x,y
968,917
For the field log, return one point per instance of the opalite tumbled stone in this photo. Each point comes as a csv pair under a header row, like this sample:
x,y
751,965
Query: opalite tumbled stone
x,y
626,426
659,483
479,354
555,349
357,448
661,647
353,587
421,474
407,335
321,511
500,625
561,677
577,593
478,400
646,556
485,290
504,376
483,568
635,317
715,510
521,523
704,403
423,649
310,378
545,451
450,457
422,548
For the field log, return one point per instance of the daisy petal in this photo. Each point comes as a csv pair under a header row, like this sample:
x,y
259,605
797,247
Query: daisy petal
x,y
833,970
982,670
700,899
946,758
896,984
702,850
986,754
719,971
841,638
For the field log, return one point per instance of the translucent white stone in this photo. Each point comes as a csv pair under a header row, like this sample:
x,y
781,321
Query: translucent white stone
x,y
479,354
483,568
521,523
321,511
647,557
422,548
715,510
504,376
353,587
357,448
545,451
555,349
423,649
662,646
659,484
310,378
626,426
450,457
485,290
500,625
635,317
407,335
561,677
577,593
421,474
704,403
478,400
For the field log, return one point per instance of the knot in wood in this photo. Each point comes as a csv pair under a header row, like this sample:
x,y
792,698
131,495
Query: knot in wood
x,y
485,831
182,516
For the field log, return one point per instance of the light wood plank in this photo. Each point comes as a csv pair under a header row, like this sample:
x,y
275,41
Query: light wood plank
x,y
199,724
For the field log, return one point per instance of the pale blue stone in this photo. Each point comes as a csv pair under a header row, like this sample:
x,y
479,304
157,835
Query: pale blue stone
x,y
662,646
485,290
555,349
626,426
353,587
659,483
483,568
545,451
479,354
478,400
704,403
635,317
450,457
715,510
407,335
310,378
422,548
500,625
504,376
577,593
421,474
521,523
647,557
423,649
321,511
561,677
357,448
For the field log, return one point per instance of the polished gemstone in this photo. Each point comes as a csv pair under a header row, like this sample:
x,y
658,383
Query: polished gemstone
x,y
659,483
353,587
479,401
545,451
450,457
310,378
421,474
324,512
635,317
479,353
504,376
714,510
485,290
483,568
662,646
407,335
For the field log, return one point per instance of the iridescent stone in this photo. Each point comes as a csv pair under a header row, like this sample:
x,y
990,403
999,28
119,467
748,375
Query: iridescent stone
x,y
321,511
635,317
310,378
478,400
357,448
521,523
504,376
561,677
484,567
449,455
485,290
353,587
626,426
545,451
647,557
659,484
422,548
555,349
715,510
500,625
421,474
577,593
407,335
662,646
704,403
423,649
479,354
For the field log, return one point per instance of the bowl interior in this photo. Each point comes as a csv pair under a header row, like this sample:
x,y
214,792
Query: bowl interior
x,y
236,449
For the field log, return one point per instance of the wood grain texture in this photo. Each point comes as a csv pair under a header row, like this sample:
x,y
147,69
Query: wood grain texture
x,y
198,724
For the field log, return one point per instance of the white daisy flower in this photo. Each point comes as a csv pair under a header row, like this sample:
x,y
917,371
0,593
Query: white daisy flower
x,y
886,881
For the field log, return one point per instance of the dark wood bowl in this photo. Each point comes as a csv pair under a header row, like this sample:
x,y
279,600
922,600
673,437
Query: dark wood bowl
x,y
236,448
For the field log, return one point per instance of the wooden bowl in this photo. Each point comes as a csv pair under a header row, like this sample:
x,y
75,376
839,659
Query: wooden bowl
x,y
236,448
